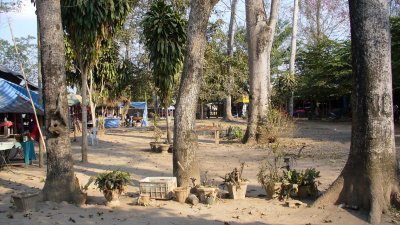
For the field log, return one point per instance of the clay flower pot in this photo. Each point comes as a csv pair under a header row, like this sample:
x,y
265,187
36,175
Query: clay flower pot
x,y
163,148
181,194
273,189
237,191
112,197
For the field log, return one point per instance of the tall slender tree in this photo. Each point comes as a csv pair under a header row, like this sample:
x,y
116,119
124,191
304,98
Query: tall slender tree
x,y
60,182
231,38
260,35
293,49
164,33
185,163
87,25
369,179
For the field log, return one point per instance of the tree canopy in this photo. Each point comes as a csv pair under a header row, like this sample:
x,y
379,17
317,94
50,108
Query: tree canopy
x,y
164,34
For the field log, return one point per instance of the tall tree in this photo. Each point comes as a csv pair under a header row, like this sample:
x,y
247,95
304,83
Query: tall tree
x,y
324,18
60,182
293,51
27,49
231,34
185,163
369,178
260,34
164,33
87,25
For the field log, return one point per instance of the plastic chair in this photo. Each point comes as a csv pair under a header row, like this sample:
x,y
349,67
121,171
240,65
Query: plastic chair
x,y
93,136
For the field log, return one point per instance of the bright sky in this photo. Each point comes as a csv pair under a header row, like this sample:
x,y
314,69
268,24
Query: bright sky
x,y
23,22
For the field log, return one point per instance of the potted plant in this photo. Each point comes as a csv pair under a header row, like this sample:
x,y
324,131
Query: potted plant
x,y
157,133
236,184
269,176
207,191
308,186
112,184
290,183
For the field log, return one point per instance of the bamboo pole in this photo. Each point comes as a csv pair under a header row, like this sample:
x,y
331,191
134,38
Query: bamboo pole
x,y
29,93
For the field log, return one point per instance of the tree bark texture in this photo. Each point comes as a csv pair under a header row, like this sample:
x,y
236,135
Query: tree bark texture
x,y
91,100
293,48
231,37
369,178
60,182
84,114
185,163
260,35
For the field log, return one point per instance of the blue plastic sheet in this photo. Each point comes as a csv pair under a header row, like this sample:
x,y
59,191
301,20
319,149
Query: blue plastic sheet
x,y
111,122
15,99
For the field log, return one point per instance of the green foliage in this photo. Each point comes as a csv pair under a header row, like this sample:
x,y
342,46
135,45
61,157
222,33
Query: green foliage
x,y
115,180
324,70
27,49
10,5
269,171
309,176
234,132
164,32
395,29
88,23
223,74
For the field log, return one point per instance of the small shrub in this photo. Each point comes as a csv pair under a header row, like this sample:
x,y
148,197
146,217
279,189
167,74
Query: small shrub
x,y
235,177
115,180
234,132
275,125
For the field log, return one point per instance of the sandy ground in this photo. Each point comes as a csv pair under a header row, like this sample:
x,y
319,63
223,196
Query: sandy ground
x,y
326,148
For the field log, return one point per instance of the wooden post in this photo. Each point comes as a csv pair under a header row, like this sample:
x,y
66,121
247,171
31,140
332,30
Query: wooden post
x,y
217,136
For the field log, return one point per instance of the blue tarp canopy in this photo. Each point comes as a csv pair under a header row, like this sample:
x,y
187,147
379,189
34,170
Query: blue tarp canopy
x,y
15,99
140,105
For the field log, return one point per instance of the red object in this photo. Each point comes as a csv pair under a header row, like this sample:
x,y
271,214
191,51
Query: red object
x,y
7,124
35,133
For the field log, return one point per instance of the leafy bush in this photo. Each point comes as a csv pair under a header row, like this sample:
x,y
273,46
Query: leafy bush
x,y
115,180
269,169
234,132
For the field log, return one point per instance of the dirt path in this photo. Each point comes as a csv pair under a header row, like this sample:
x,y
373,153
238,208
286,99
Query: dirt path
x,y
326,148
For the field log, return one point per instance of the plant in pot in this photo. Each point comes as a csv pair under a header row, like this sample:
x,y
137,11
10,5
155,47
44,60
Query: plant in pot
x,y
236,184
112,184
157,133
269,176
308,186
207,191
290,183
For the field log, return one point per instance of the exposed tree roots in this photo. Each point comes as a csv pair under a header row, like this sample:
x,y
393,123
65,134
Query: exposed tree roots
x,y
376,197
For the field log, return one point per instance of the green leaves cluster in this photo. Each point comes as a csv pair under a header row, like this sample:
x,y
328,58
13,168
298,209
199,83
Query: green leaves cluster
x,y
164,35
88,23
115,180
222,73
324,70
27,48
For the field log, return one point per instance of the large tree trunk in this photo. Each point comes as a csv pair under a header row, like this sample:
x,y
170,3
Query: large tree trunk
x,y
293,51
60,182
231,37
260,35
185,163
369,177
